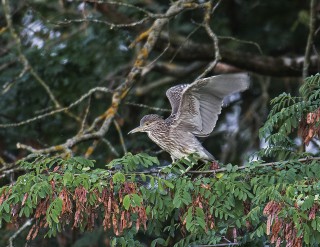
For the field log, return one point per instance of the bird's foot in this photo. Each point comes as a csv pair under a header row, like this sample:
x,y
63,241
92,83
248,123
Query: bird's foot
x,y
214,165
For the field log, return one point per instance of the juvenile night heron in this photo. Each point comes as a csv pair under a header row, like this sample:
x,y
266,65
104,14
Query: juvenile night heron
x,y
195,110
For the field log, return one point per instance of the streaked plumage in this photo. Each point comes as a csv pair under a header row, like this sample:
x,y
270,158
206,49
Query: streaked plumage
x,y
195,110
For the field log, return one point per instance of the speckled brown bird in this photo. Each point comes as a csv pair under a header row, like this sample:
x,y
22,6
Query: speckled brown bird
x,y
195,110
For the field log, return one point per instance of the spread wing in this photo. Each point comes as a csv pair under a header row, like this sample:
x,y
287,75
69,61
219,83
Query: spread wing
x,y
174,95
200,102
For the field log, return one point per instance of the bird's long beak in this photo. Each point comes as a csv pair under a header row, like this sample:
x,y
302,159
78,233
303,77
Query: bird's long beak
x,y
138,129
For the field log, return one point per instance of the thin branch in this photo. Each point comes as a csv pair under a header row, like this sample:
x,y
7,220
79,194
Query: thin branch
x,y
216,245
174,70
213,36
118,3
6,87
148,67
177,70
307,54
148,107
112,149
244,42
83,123
86,95
185,40
65,147
265,65
23,227
158,170
110,24
91,148
12,170
118,128
22,57
256,166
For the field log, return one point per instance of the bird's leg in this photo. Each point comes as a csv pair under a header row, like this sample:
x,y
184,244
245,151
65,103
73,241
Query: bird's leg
x,y
173,159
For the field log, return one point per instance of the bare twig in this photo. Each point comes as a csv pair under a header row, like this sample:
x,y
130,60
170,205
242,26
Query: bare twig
x,y
307,54
118,128
6,87
148,67
86,95
216,245
24,226
112,149
213,36
185,40
148,107
91,148
243,41
178,70
83,123
12,170
256,166
110,24
22,57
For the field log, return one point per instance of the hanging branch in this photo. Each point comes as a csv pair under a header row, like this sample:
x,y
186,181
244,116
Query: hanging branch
x,y
307,54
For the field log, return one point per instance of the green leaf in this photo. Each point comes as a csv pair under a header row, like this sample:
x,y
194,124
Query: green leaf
x,y
54,211
201,222
189,218
143,177
118,178
136,199
168,184
114,242
199,212
126,202
82,161
27,211
152,182
67,178
54,217
308,203
306,234
6,207
159,241
229,168
148,210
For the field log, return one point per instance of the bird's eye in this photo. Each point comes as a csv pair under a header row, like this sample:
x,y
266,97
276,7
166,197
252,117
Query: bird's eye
x,y
147,123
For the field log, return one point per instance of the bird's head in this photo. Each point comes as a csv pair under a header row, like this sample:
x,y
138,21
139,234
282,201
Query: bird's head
x,y
147,123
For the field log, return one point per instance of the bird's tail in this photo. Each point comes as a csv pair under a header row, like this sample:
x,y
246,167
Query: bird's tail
x,y
208,156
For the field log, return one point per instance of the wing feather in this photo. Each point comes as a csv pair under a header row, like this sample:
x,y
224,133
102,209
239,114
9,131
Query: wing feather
x,y
174,95
200,102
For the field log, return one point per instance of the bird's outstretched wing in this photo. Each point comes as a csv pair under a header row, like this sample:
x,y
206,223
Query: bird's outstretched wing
x,y
174,95
199,103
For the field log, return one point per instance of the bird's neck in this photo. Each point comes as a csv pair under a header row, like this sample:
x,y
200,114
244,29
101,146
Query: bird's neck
x,y
159,132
